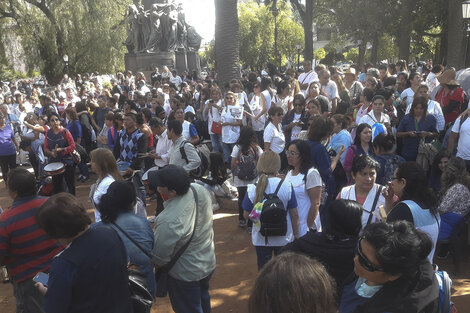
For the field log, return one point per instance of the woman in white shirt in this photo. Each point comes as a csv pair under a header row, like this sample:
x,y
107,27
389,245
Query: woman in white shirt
x,y
213,108
274,138
268,167
104,165
189,131
377,116
282,98
415,80
307,184
259,109
231,118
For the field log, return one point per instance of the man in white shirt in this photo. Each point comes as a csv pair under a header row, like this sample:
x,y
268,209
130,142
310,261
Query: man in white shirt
x,y
175,79
330,88
461,132
308,76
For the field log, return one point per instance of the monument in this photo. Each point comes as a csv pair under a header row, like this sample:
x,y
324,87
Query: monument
x,y
158,35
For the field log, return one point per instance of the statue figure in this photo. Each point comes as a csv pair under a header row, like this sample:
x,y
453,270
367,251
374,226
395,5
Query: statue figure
x,y
132,40
155,38
144,28
193,38
181,28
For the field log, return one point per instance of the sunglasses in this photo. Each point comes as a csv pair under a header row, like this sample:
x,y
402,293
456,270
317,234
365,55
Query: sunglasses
x,y
365,263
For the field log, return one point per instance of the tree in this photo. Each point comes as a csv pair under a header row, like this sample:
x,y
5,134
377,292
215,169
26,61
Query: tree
x,y
89,32
319,54
227,62
257,34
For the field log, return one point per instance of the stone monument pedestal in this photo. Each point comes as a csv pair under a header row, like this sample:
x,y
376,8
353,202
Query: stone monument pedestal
x,y
181,60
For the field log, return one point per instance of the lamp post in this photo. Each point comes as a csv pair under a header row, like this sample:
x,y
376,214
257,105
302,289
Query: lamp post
x,y
298,46
66,61
466,18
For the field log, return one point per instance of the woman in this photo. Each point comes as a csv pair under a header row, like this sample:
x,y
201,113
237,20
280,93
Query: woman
x,y
117,208
314,90
88,133
58,146
418,204
118,125
383,149
75,129
282,98
293,283
273,136
350,81
268,167
377,116
319,131
213,109
8,147
93,263
416,126
246,147
340,135
450,96
365,106
362,145
295,120
189,131
307,185
438,167
231,118
344,102
104,165
258,108
455,192
335,245
391,272
415,80
365,190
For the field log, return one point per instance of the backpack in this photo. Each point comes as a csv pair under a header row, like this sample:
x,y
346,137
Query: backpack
x,y
273,218
203,153
445,291
245,165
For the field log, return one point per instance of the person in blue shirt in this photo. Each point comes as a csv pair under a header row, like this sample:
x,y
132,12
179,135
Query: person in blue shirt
x,y
414,126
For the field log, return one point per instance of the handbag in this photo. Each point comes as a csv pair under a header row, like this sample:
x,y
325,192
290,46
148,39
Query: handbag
x,y
141,297
216,128
161,276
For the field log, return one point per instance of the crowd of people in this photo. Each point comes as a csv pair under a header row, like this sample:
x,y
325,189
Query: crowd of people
x,y
363,170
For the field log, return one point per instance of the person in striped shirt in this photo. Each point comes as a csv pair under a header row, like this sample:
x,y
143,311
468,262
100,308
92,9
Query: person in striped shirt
x,y
25,249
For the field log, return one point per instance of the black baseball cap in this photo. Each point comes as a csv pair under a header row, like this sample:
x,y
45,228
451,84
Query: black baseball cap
x,y
171,176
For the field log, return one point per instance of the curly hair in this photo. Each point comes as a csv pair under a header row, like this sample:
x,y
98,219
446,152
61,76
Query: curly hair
x,y
455,173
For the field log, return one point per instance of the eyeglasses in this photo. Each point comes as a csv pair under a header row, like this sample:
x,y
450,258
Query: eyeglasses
x,y
291,153
365,263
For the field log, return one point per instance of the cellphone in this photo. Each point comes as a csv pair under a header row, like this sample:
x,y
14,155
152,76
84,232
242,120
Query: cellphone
x,y
42,278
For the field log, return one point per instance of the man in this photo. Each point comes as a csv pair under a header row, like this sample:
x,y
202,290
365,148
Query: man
x,y
330,88
188,279
129,150
307,77
175,79
192,161
100,112
25,248
461,132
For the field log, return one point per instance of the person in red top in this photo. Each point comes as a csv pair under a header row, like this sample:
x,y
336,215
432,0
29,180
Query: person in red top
x,y
449,95
25,249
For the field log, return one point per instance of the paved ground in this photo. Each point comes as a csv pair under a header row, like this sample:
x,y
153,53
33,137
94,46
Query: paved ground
x,y
236,264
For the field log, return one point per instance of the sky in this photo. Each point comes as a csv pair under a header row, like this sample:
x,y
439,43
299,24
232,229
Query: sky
x,y
201,14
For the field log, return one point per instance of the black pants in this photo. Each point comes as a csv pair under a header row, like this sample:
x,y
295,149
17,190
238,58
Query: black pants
x,y
7,162
69,176
241,196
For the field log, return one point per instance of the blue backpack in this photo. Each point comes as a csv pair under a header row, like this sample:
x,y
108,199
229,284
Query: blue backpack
x,y
445,291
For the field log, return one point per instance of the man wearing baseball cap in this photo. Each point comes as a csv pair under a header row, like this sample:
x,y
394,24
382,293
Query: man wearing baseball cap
x,y
188,278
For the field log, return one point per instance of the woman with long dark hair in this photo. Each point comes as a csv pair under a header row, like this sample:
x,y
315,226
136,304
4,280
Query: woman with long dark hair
x,y
247,148
307,184
418,203
362,144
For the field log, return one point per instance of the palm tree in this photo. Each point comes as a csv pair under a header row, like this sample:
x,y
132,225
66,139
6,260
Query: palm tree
x,y
227,62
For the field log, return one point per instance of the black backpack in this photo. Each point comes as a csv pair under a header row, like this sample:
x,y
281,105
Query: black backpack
x,y
273,216
245,165
204,156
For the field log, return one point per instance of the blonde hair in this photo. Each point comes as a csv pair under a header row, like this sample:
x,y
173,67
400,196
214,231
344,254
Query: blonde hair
x,y
269,163
105,161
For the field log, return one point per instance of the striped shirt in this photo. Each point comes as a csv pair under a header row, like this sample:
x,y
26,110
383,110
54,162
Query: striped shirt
x,y
26,247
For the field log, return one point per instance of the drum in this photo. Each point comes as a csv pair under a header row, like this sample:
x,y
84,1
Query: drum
x,y
55,168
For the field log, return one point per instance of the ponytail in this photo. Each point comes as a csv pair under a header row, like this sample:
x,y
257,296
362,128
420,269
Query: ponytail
x,y
261,187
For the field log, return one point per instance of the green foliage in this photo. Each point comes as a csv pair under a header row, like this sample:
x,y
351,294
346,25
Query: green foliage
x,y
89,32
319,54
352,55
207,56
256,32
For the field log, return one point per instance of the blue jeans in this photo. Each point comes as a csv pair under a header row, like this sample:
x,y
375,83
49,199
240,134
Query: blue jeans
x,y
216,142
227,147
190,297
264,254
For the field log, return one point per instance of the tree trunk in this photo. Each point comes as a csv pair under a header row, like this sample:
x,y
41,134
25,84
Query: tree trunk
x,y
362,52
405,28
227,62
375,48
455,35
308,30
